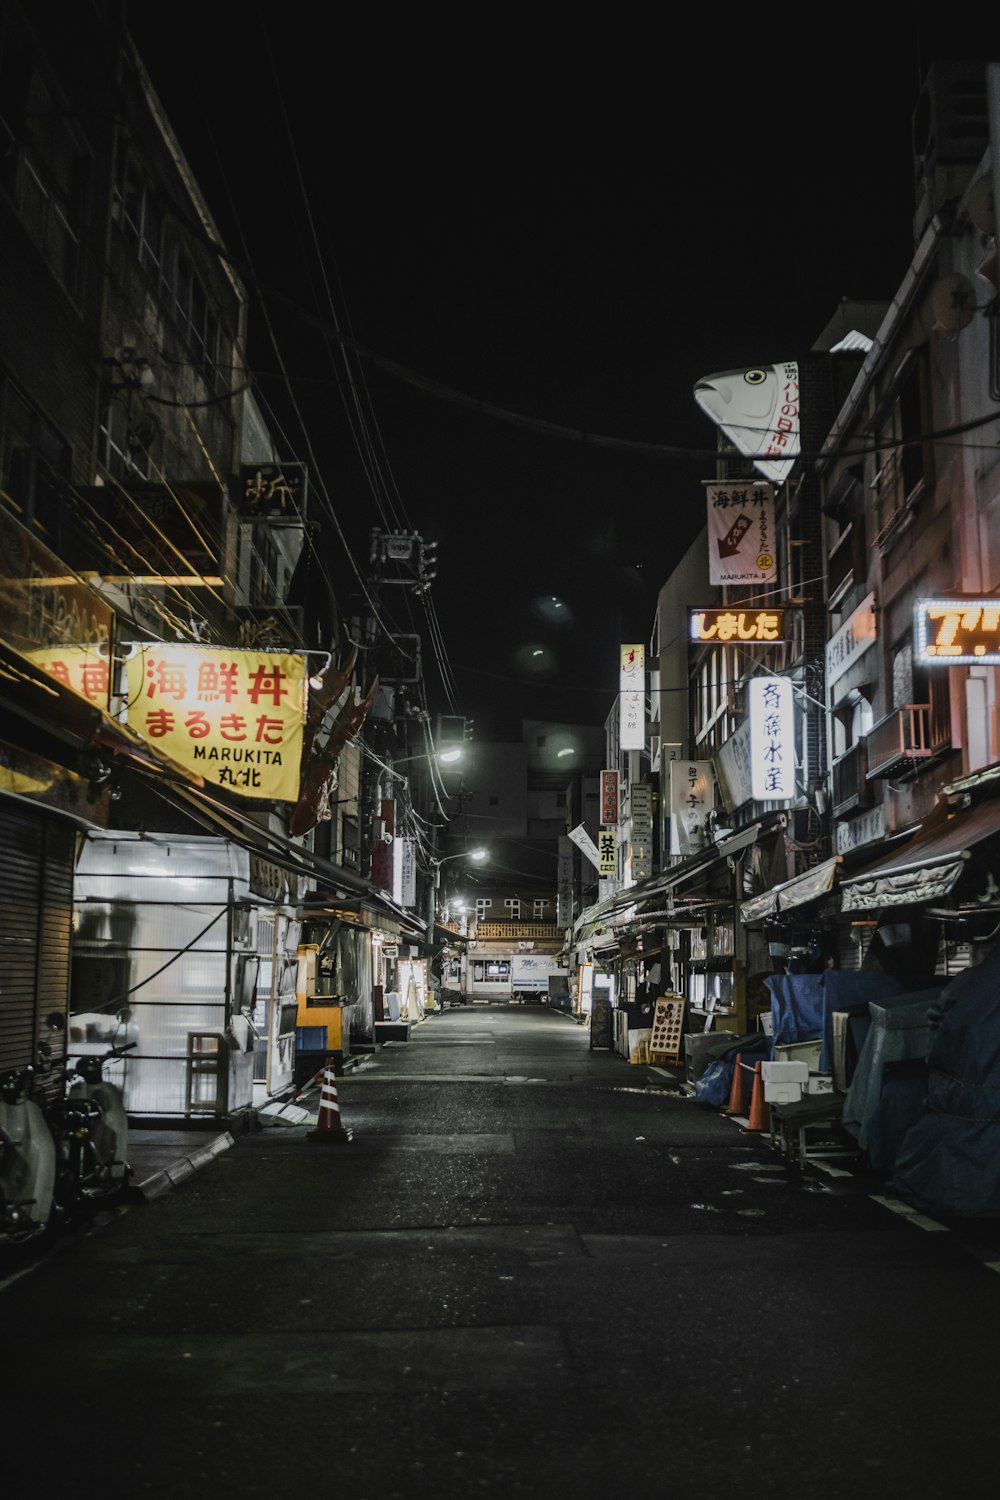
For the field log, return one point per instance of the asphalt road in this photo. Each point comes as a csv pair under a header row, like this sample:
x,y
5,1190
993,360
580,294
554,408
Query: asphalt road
x,y
535,1271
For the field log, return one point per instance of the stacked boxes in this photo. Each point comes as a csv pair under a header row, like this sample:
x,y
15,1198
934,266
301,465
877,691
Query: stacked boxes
x,y
784,1081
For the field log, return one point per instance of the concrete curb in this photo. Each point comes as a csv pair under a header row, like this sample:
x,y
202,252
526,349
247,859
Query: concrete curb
x,y
178,1171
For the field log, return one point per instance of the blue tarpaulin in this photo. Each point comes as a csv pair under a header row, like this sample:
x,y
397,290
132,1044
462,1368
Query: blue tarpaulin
x,y
716,1081
802,1005
898,1033
949,1159
843,989
796,1007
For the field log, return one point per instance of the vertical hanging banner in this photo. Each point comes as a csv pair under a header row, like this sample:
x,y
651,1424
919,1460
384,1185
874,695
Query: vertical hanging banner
x,y
641,810
404,873
632,698
758,410
232,717
741,533
692,797
383,870
741,542
609,797
607,851
772,739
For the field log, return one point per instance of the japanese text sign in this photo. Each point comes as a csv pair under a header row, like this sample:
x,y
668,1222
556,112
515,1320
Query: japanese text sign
x,y
851,641
757,408
957,632
641,816
607,849
692,797
52,617
232,717
632,698
609,796
85,670
772,741
750,627
741,543
404,872
277,490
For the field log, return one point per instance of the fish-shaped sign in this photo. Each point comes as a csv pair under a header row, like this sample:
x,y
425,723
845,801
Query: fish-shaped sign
x,y
758,410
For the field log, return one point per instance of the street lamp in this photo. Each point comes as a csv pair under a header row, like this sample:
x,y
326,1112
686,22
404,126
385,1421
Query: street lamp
x,y
434,883
444,757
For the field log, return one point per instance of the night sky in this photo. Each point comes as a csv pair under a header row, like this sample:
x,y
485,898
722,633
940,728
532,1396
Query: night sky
x,y
570,226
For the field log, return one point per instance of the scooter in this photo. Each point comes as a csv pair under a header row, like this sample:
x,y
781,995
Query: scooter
x,y
27,1159
90,1128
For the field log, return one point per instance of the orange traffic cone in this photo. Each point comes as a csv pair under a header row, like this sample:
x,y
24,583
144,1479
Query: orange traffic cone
x,y
759,1111
330,1129
737,1094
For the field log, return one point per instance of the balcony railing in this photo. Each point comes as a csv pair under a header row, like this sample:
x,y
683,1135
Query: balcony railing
x,y
899,742
849,778
517,930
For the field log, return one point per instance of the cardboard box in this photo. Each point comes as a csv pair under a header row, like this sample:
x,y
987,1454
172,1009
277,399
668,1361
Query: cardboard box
x,y
819,1083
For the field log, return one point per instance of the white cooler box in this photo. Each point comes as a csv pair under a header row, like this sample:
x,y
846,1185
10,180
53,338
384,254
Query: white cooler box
x,y
784,1081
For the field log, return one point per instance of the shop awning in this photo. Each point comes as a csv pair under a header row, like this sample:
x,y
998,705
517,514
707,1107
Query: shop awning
x,y
929,866
41,698
602,924
796,892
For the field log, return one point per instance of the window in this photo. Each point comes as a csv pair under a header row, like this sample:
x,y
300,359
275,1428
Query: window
x,y
900,462
513,905
35,465
46,169
129,433
483,904
172,272
539,906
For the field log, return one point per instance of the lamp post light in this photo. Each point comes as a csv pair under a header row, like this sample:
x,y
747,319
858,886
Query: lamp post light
x,y
443,757
435,881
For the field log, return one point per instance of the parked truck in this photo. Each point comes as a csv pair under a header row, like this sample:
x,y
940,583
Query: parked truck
x,y
530,973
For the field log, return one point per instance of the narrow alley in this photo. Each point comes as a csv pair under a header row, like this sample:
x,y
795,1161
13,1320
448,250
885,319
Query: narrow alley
x,y
534,1271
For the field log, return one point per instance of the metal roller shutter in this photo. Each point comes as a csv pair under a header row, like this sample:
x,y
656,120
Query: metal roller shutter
x,y
36,908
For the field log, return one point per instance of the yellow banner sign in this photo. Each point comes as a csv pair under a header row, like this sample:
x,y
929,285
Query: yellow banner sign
x,y
82,668
233,717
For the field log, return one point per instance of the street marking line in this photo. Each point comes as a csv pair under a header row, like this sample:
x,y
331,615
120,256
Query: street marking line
x,y
911,1215
824,1166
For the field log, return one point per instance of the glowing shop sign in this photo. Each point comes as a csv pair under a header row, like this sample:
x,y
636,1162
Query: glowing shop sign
x,y
233,717
752,627
609,796
772,742
632,698
607,847
957,632
83,669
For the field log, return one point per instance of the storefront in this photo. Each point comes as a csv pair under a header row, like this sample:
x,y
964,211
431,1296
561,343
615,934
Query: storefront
x,y
185,947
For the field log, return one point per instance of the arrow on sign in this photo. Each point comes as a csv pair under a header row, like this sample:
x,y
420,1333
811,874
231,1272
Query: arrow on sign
x,y
729,544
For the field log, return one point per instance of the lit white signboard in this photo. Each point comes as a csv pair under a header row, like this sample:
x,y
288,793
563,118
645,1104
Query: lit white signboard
x,y
741,533
957,632
632,698
772,739
758,410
